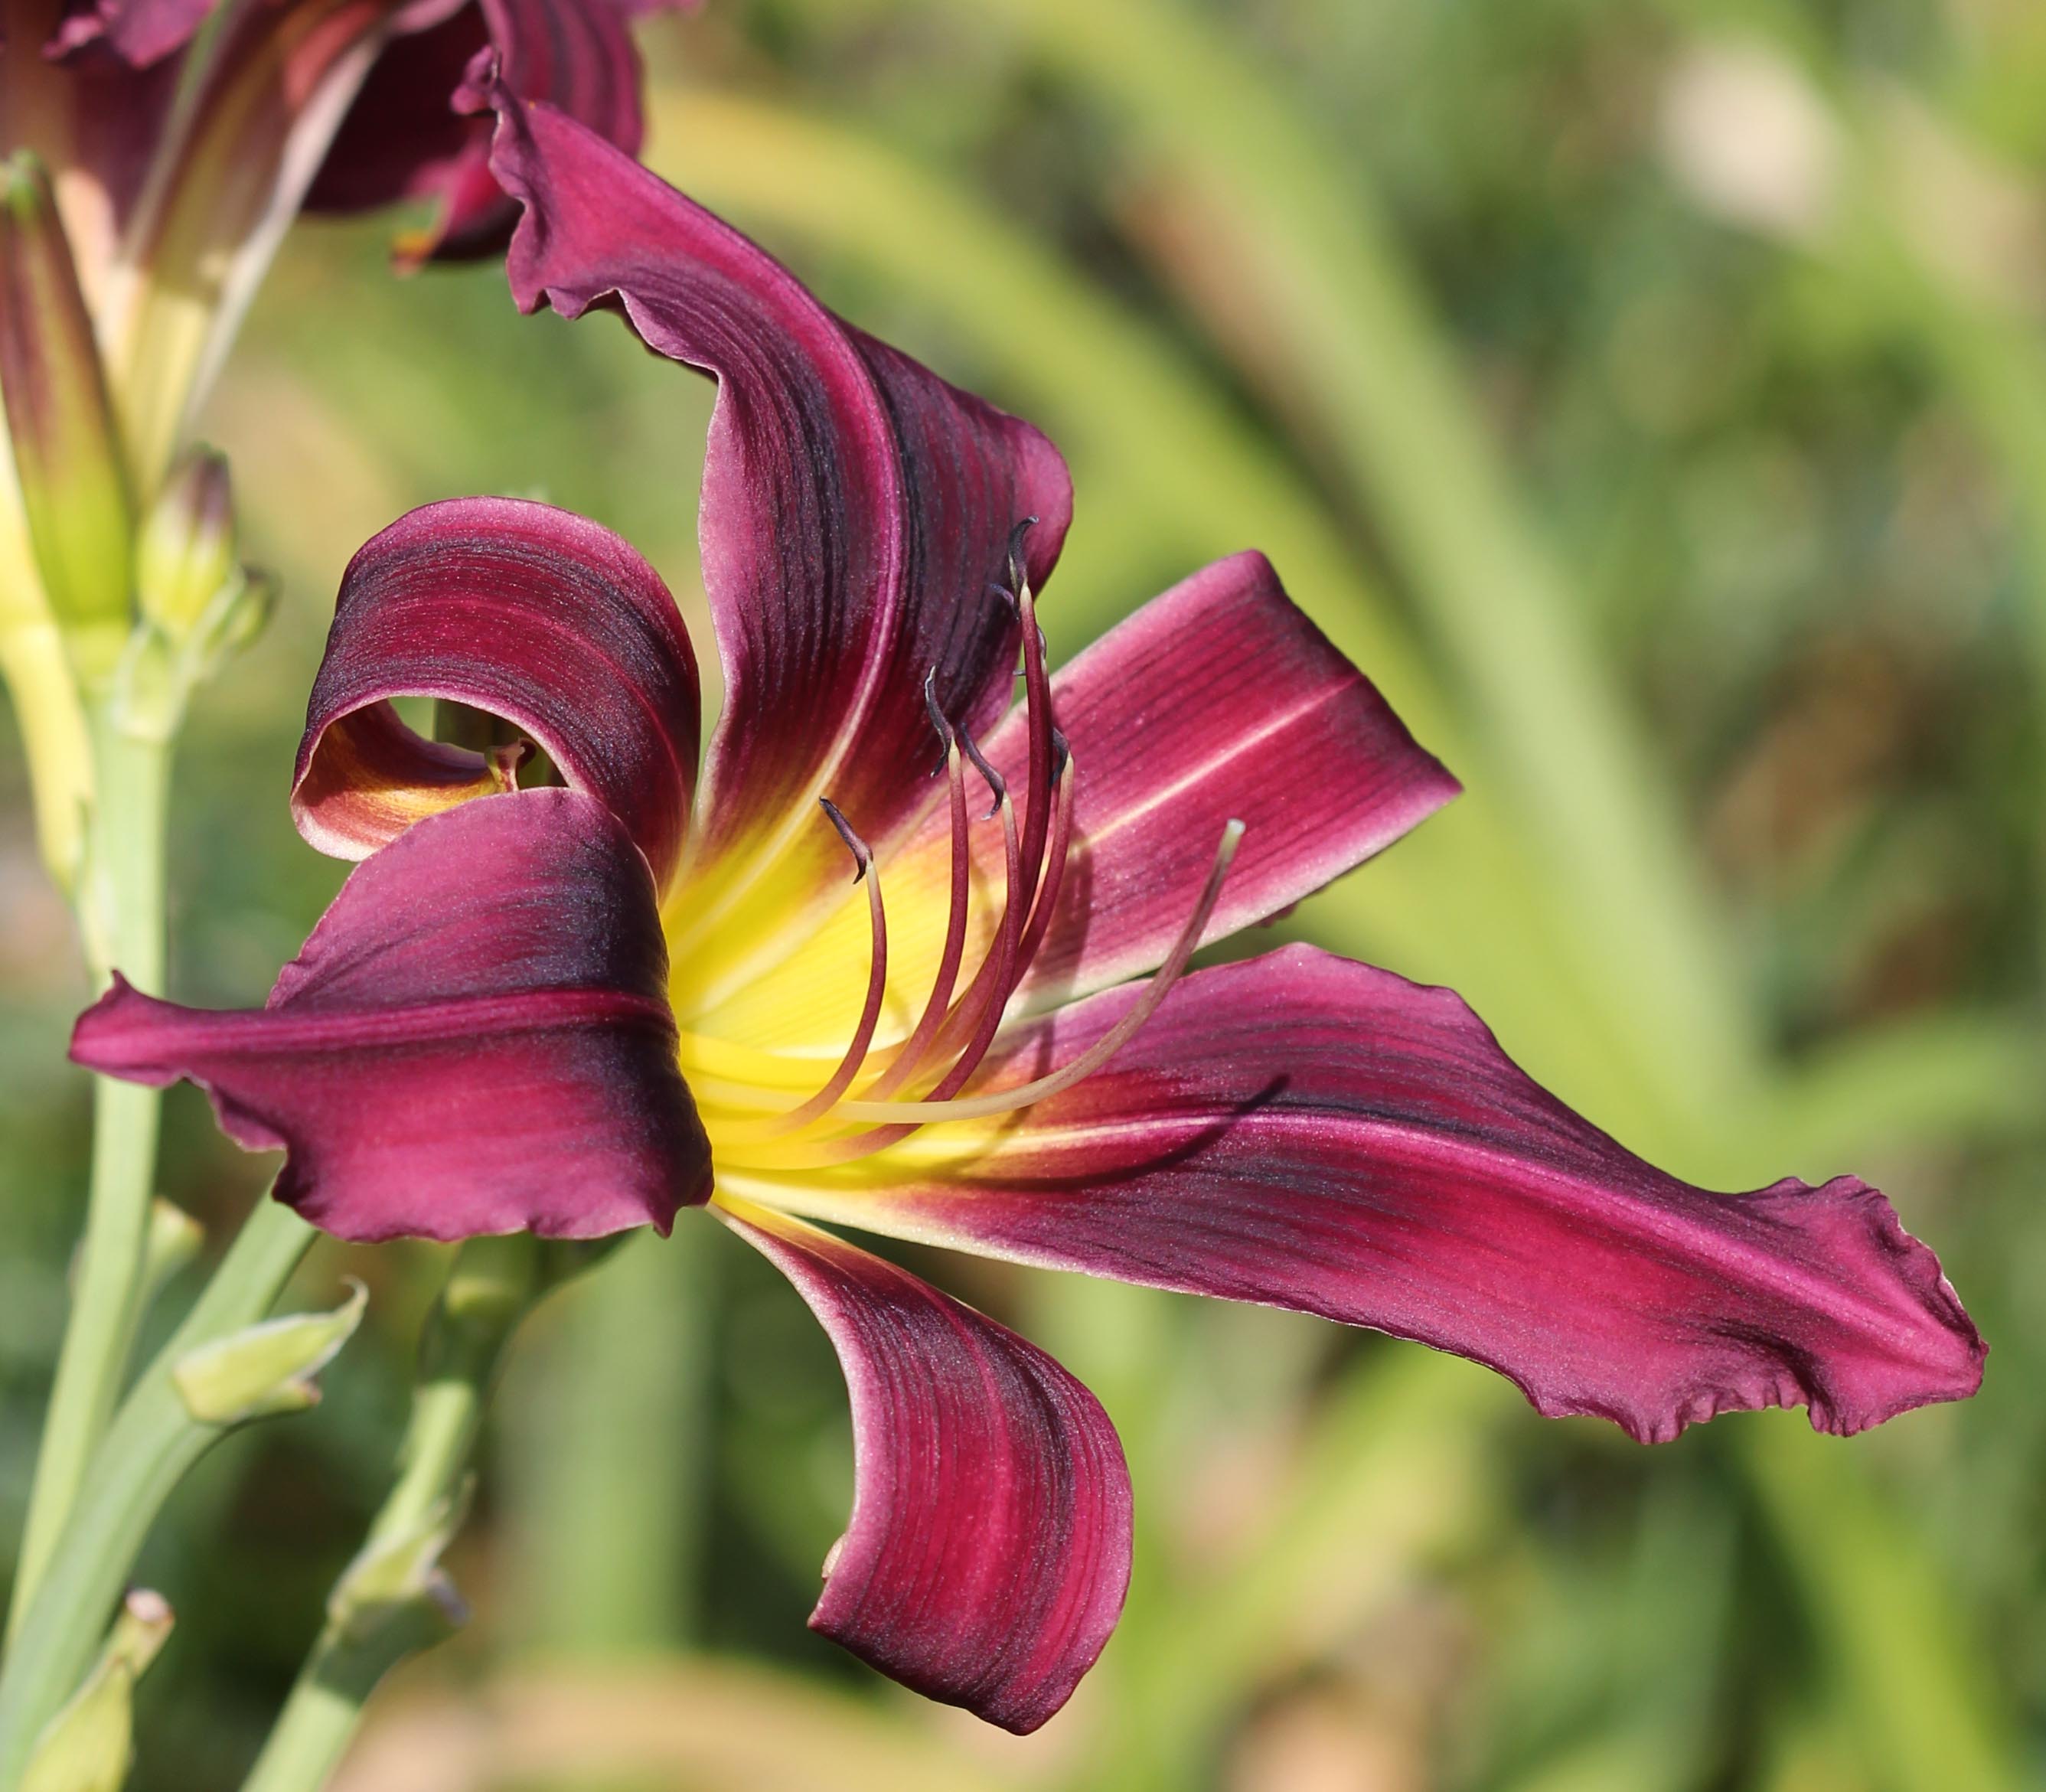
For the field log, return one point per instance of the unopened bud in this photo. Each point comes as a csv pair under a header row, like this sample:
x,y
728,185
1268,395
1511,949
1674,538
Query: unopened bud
x,y
187,552
268,1368
396,1590
89,1746
173,1240
67,453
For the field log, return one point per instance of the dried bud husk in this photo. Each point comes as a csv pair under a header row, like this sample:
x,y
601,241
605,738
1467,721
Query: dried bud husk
x,y
68,464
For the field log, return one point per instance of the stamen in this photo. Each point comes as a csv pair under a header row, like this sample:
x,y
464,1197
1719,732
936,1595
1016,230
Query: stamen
x,y
909,1114
997,785
998,974
1019,573
877,983
981,1008
938,1004
1055,862
936,711
1037,710
862,858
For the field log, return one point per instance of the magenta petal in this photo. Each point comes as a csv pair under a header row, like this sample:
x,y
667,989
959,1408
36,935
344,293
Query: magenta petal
x,y
855,508
988,1552
532,613
138,33
1311,1133
475,1039
403,138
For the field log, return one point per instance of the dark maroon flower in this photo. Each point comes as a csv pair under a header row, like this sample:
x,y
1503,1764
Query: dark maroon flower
x,y
954,1048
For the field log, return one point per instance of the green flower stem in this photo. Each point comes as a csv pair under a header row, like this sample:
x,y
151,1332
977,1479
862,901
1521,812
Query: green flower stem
x,y
152,1442
120,916
605,1470
392,1600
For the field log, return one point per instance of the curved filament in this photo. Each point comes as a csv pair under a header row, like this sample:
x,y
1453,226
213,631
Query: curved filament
x,y
957,1029
939,1003
877,983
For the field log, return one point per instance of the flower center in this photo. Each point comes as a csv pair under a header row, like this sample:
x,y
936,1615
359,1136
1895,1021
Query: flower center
x,y
874,1098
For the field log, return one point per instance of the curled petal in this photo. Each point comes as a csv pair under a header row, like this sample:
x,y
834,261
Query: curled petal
x,y
855,508
1310,1132
530,613
475,1039
403,138
1218,700
988,1552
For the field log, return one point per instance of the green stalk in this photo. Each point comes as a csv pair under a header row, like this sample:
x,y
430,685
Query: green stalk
x,y
392,1600
152,1442
120,916
605,1466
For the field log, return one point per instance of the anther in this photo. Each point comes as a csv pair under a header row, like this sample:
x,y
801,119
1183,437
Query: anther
x,y
935,711
1019,573
862,856
997,785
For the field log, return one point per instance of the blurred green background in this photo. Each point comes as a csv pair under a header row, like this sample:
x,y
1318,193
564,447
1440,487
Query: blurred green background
x,y
1651,395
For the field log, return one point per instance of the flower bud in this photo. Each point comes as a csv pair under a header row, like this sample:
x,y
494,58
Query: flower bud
x,y
89,1745
173,1240
267,1368
395,1591
186,554
67,453
244,615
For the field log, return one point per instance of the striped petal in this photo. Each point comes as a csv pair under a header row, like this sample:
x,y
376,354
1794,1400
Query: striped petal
x,y
1306,1132
475,1039
532,613
988,1552
855,508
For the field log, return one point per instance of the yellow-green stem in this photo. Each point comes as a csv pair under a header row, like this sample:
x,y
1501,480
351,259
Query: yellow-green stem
x,y
152,1442
373,1624
120,917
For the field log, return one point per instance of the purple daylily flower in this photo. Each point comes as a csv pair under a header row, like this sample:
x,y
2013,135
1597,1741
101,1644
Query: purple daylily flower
x,y
580,1008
